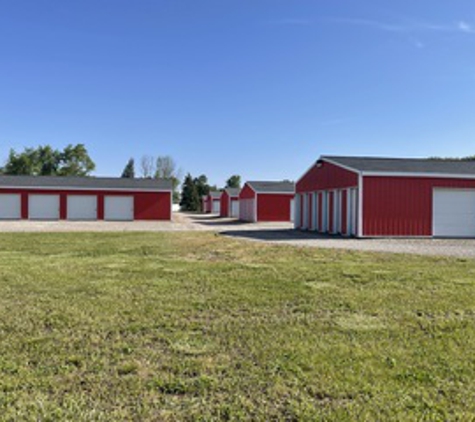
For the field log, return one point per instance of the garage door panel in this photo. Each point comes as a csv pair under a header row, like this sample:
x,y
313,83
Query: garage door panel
x,y
246,209
119,208
43,207
454,213
235,209
82,207
10,206
216,207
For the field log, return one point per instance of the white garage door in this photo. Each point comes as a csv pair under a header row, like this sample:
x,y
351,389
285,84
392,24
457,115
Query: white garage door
x,y
216,207
454,213
43,207
234,208
10,207
119,208
247,210
82,207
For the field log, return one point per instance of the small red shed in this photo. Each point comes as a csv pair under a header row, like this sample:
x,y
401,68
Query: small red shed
x,y
84,198
371,197
230,202
213,203
267,201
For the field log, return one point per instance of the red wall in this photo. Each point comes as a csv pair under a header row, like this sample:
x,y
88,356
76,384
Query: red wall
x,y
247,193
327,176
147,205
402,206
273,207
224,210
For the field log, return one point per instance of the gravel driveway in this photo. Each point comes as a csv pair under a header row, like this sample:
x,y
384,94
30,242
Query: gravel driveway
x,y
461,248
277,233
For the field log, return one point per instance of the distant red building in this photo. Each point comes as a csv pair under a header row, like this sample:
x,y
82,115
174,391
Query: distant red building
x,y
267,201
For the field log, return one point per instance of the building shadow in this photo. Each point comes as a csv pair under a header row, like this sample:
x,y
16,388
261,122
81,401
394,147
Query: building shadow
x,y
279,235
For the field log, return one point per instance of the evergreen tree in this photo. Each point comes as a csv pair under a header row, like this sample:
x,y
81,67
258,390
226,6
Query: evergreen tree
x,y
129,170
190,199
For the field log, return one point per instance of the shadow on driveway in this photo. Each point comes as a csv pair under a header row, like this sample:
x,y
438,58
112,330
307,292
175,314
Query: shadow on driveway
x,y
214,220
279,235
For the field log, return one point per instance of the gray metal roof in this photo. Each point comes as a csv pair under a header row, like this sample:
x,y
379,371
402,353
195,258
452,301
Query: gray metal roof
x,y
215,194
405,165
59,182
284,186
233,191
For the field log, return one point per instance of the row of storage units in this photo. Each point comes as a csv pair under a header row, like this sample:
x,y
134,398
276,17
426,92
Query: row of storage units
x,y
78,207
333,212
83,199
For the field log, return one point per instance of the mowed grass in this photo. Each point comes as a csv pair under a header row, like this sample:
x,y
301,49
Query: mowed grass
x,y
194,326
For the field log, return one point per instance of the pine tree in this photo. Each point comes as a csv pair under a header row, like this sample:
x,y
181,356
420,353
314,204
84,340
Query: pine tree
x,y
190,200
129,170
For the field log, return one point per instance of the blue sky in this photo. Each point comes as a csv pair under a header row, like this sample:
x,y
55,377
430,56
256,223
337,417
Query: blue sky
x,y
259,88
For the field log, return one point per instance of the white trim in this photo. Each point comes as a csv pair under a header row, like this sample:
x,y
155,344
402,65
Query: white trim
x,y
256,200
67,188
402,174
359,224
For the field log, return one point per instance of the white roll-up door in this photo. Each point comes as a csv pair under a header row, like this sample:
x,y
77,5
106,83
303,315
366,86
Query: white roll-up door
x,y
43,207
216,207
234,208
10,206
453,213
247,210
119,208
82,207
292,209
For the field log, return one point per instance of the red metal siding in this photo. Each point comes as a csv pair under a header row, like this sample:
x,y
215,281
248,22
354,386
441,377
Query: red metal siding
x,y
273,207
344,213
402,206
152,206
148,205
327,176
224,209
247,193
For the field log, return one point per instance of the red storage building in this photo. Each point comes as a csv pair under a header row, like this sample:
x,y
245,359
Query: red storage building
x,y
267,201
84,198
371,197
230,202
212,203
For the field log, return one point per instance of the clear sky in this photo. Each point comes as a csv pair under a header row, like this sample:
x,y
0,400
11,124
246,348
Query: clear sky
x,y
259,88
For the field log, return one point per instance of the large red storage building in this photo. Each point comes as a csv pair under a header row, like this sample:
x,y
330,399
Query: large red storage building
x,y
267,201
230,202
84,198
370,197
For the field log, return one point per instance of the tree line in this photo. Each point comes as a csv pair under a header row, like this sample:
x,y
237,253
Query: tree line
x,y
74,160
194,189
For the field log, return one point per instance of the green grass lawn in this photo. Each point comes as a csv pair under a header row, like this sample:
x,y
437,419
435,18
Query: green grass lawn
x,y
193,326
